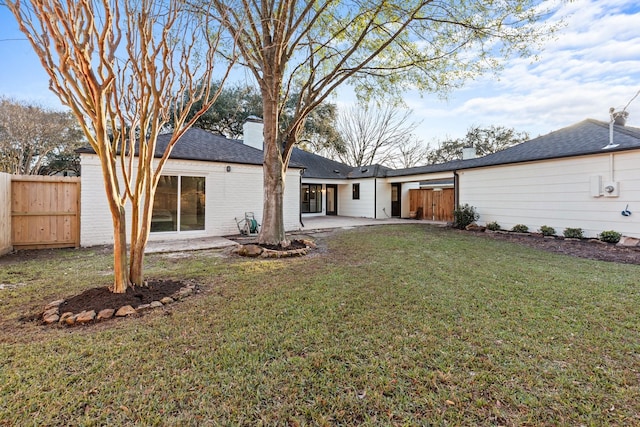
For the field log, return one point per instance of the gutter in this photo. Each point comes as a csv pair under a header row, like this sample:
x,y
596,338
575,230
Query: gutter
x,y
456,189
299,209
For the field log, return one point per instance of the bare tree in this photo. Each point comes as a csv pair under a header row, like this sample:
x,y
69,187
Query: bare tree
x,y
314,47
410,153
31,134
373,135
123,67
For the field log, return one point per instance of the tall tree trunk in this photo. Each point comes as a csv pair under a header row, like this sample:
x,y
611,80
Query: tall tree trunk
x,y
120,270
272,231
118,216
136,262
140,239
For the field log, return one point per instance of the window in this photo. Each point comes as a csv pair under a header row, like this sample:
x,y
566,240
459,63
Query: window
x,y
311,198
179,204
356,191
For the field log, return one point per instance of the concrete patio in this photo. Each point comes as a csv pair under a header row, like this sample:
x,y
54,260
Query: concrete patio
x,y
310,225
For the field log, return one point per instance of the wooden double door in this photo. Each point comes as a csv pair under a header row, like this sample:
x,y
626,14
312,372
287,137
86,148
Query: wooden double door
x,y
432,204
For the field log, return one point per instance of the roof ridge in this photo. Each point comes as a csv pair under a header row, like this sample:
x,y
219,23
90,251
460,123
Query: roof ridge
x,y
631,131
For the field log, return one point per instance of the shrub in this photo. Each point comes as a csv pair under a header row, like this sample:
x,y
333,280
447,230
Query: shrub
x,y
464,215
610,236
520,228
547,231
493,226
573,233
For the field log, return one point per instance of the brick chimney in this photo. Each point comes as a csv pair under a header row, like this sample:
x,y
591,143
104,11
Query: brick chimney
x,y
252,132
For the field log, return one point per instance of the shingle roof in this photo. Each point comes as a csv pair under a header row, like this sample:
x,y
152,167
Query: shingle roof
x,y
198,144
586,137
369,171
320,167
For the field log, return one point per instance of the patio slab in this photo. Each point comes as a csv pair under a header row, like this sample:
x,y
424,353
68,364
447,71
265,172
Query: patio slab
x,y
310,225
328,221
198,244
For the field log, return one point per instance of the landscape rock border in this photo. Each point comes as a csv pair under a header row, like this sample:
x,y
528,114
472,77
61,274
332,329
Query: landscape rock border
x,y
52,315
253,250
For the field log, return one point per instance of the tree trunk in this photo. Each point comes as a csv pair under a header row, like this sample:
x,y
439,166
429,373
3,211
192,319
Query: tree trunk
x,y
120,277
136,263
118,216
139,240
272,230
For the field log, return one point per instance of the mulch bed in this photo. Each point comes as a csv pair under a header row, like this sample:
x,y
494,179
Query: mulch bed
x,y
585,248
293,244
101,298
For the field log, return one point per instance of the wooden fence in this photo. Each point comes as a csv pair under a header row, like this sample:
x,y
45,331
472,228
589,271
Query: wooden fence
x,y
45,212
435,205
5,213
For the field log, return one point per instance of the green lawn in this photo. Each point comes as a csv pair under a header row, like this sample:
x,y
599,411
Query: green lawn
x,y
392,325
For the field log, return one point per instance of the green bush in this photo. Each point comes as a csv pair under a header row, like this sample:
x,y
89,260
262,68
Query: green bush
x,y
464,215
573,233
520,228
610,236
493,226
547,231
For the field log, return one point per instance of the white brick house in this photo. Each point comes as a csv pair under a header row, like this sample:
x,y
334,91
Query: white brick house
x,y
582,176
208,182
569,178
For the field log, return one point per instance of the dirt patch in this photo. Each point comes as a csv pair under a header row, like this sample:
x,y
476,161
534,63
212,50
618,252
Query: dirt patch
x,y
16,257
589,249
294,244
101,298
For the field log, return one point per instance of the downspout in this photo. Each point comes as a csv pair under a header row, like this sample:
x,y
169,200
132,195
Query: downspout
x,y
375,198
610,167
611,144
300,188
456,189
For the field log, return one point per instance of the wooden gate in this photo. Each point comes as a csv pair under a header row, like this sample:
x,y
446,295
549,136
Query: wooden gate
x,y
45,212
435,205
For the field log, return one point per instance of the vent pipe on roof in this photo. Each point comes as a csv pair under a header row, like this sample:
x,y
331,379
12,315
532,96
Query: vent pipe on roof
x,y
619,118
469,153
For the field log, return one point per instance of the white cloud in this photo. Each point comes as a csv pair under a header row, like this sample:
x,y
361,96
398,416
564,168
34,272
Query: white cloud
x,y
593,64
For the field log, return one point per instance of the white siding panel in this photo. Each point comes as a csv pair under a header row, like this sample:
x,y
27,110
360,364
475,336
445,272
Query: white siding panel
x,y
229,196
96,227
383,199
292,200
556,193
406,202
363,207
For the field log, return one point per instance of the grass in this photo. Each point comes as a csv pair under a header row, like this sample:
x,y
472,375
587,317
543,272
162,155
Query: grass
x,y
393,325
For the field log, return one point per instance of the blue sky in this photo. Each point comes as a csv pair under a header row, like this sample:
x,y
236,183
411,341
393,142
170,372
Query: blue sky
x,y
592,65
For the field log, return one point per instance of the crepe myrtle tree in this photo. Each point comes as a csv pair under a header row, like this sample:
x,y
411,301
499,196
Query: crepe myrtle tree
x,y
124,68
312,48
